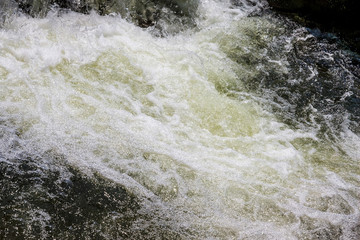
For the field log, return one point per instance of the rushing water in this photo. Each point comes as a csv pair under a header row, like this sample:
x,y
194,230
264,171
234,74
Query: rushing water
x,y
227,122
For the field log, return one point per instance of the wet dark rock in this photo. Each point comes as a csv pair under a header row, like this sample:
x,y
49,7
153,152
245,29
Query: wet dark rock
x,y
36,202
143,9
144,13
42,198
338,16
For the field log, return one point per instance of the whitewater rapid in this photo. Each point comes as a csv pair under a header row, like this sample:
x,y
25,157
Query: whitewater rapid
x,y
172,118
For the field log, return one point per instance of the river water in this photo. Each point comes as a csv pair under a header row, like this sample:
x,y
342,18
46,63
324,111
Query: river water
x,y
227,122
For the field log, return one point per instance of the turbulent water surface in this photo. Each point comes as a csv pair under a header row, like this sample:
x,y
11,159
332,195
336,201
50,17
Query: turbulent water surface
x,y
223,121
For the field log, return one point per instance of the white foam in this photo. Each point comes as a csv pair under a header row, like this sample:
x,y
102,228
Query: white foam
x,y
146,112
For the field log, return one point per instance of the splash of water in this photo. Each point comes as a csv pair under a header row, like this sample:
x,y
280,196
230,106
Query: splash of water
x,y
195,120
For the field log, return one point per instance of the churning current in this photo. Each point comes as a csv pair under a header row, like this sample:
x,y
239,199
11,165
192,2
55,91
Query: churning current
x,y
224,121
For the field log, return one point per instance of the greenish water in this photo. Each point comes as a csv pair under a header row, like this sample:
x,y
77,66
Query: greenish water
x,y
238,125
